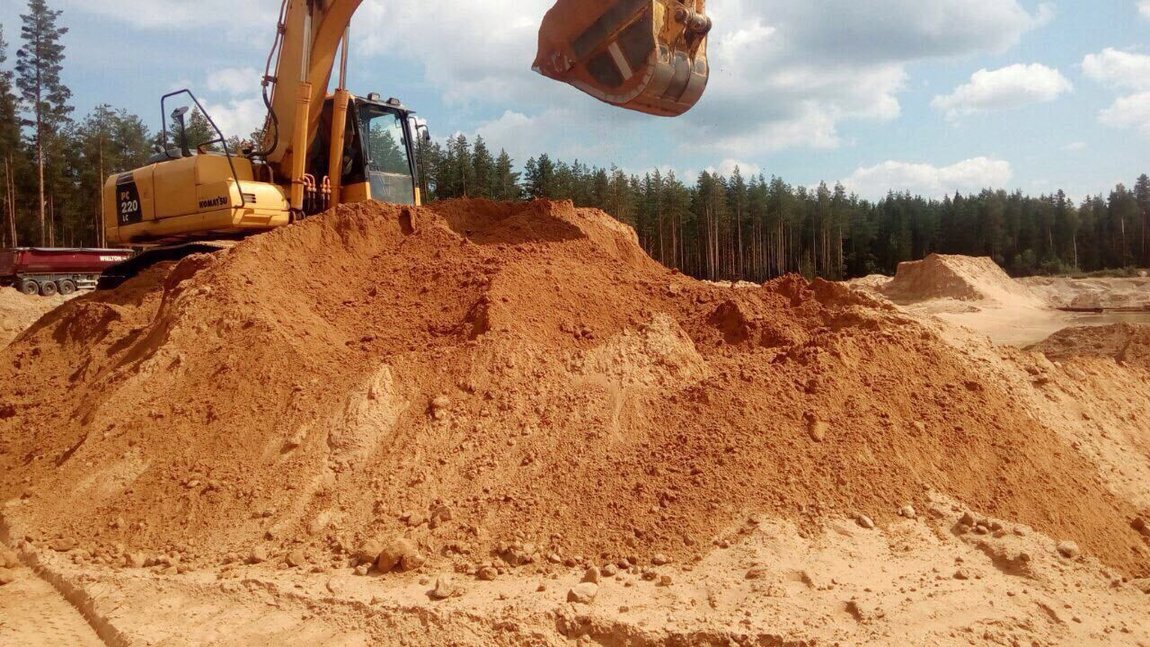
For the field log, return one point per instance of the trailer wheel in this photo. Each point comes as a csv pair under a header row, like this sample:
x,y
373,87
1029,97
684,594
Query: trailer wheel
x,y
47,289
30,287
65,286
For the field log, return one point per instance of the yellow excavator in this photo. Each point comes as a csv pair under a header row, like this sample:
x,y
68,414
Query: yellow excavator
x,y
322,149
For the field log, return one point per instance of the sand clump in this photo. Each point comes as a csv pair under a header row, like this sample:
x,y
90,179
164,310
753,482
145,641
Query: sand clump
x,y
526,368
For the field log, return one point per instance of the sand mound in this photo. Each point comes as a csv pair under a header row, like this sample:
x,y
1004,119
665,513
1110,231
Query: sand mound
x,y
1127,343
18,311
500,378
962,278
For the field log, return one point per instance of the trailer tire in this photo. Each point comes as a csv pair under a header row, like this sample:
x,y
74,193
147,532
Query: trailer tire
x,y
47,289
66,286
30,287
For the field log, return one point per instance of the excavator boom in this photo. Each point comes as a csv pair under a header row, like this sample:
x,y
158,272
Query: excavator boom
x,y
644,55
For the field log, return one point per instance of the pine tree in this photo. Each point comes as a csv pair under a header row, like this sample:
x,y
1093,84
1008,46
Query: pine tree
x,y
105,143
1142,199
9,147
38,67
539,177
506,178
482,170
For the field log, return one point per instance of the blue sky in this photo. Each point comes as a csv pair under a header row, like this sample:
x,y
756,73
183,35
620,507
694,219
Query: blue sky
x,y
928,97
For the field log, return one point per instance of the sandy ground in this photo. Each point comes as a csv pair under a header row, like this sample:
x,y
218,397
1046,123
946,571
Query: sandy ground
x,y
926,580
19,311
982,299
941,574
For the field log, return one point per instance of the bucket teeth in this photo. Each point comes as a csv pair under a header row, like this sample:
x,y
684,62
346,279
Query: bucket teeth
x,y
644,55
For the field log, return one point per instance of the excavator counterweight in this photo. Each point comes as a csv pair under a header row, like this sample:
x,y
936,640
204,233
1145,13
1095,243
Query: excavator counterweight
x,y
644,55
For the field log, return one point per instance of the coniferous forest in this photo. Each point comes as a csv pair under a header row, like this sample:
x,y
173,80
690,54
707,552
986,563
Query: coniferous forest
x,y
53,164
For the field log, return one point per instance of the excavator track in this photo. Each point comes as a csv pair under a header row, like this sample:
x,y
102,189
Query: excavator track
x,y
34,614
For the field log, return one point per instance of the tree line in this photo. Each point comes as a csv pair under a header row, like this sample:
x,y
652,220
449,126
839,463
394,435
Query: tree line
x,y
713,226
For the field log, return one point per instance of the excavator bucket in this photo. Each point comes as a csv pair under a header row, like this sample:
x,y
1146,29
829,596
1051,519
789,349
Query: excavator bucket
x,y
644,55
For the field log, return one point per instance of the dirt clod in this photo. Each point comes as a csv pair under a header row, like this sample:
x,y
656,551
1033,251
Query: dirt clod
x,y
445,587
583,593
592,575
1069,549
296,559
400,555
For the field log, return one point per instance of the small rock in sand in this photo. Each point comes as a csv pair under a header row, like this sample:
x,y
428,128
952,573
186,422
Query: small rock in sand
x,y
63,545
865,521
445,588
487,573
818,430
369,551
1142,526
296,558
1069,550
401,555
7,576
660,559
8,559
592,575
583,593
439,407
908,512
258,555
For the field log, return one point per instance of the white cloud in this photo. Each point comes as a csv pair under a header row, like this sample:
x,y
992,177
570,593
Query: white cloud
x,y
1118,69
235,81
170,15
1075,146
1007,88
1144,8
1123,71
238,117
527,135
1129,112
727,167
970,175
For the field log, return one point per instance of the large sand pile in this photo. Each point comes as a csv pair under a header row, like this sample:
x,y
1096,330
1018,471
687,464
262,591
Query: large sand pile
x,y
962,278
512,379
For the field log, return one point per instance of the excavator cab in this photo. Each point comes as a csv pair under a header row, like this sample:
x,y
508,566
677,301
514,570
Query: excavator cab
x,y
644,55
379,158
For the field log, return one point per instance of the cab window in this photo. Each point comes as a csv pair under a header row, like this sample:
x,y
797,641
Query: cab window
x,y
388,165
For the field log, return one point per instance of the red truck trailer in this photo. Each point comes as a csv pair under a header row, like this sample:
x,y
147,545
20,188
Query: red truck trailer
x,y
56,271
